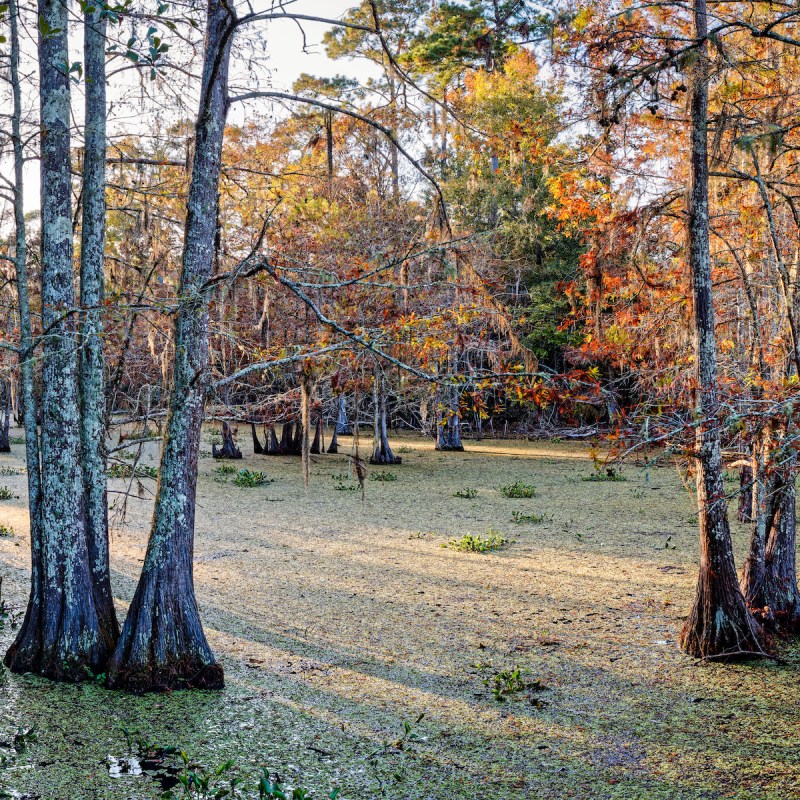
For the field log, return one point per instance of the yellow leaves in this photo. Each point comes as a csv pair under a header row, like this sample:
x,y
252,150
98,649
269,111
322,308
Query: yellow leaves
x,y
727,345
583,18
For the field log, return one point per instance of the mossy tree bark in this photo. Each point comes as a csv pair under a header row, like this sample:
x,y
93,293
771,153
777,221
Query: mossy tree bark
x,y
62,635
162,645
780,594
92,355
763,509
719,624
28,635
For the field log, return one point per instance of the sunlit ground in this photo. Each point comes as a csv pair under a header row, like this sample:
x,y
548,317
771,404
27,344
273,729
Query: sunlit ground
x,y
338,620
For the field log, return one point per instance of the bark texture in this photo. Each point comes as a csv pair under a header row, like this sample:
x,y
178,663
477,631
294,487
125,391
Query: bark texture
x,y
762,515
162,645
28,635
62,636
92,355
780,594
719,624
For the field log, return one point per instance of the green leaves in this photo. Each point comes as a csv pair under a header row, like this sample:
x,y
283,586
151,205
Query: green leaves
x,y
45,31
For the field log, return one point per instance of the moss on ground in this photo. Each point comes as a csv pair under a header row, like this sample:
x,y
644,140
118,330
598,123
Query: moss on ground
x,y
338,620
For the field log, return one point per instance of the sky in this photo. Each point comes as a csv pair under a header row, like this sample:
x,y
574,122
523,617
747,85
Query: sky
x,y
286,56
281,62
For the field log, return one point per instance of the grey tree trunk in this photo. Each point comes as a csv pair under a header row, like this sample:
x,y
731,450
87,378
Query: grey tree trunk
x,y
29,633
162,644
92,376
62,635
305,418
5,418
762,512
719,624
382,453
448,435
781,597
342,426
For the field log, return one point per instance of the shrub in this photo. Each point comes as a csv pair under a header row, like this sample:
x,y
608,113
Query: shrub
x,y
386,477
518,518
466,494
470,543
506,683
6,530
10,471
609,475
509,682
518,489
7,494
250,478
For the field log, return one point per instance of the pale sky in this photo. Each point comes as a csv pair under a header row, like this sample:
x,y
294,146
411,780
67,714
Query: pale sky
x,y
286,45
279,64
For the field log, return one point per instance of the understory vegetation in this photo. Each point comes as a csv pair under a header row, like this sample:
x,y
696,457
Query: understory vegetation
x,y
562,675
399,399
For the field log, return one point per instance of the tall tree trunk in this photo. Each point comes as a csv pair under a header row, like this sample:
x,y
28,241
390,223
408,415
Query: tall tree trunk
x,y
5,418
448,435
305,417
24,649
342,426
286,445
719,623
62,634
317,446
92,356
162,645
258,448
382,452
763,509
273,447
229,448
781,596
746,494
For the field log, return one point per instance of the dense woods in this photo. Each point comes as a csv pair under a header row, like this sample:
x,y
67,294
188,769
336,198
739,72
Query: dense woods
x,y
489,219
